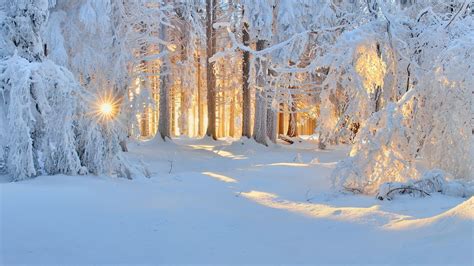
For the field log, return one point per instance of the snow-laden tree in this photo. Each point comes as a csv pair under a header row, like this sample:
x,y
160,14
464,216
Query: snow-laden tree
x,y
187,37
49,126
88,37
258,15
430,121
390,76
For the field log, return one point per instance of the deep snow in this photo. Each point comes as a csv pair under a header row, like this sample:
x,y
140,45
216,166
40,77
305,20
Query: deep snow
x,y
222,202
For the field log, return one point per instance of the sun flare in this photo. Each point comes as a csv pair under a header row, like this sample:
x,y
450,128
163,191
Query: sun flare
x,y
105,108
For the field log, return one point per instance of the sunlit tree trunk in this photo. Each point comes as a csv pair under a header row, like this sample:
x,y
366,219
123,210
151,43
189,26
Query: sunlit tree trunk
x,y
199,97
281,123
232,115
183,120
246,96
272,115
211,78
272,121
260,123
164,123
224,118
292,130
222,113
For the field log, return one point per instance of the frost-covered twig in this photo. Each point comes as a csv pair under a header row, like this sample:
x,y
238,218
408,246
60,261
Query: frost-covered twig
x,y
402,190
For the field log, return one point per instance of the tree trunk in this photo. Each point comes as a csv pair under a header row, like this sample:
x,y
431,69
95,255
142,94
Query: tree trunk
x,y
199,97
378,89
164,123
292,130
232,115
260,133
184,116
272,115
272,121
211,79
222,119
281,123
246,96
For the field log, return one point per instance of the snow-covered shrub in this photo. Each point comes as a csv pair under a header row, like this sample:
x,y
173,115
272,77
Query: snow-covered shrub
x,y
50,129
40,110
433,181
356,84
98,147
442,112
44,112
380,154
20,26
429,124
428,121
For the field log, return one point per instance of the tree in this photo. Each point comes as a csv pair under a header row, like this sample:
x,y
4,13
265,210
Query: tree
x,y
258,16
165,120
211,78
260,133
50,131
246,98
429,121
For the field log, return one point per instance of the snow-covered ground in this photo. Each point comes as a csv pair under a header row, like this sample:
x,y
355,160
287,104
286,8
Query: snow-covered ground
x,y
222,202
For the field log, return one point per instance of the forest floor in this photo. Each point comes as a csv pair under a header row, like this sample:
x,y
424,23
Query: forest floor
x,y
226,203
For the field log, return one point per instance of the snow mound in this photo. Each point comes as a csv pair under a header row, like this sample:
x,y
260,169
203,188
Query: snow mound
x,y
460,217
360,215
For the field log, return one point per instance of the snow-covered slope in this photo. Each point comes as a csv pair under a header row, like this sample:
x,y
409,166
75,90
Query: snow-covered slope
x,y
460,217
216,202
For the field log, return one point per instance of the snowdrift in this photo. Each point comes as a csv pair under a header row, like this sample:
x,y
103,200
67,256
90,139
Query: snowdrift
x,y
459,218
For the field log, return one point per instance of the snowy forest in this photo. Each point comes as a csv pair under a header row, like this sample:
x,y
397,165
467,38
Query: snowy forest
x,y
299,115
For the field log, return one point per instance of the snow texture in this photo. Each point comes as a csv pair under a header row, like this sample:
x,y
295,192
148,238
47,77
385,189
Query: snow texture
x,y
227,203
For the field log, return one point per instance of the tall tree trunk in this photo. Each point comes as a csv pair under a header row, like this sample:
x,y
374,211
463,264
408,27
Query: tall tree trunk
x,y
199,97
164,123
246,96
272,121
281,122
260,123
272,115
292,130
211,78
183,120
222,119
232,115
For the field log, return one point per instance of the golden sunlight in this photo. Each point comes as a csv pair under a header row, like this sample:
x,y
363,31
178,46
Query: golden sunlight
x,y
370,67
219,177
105,108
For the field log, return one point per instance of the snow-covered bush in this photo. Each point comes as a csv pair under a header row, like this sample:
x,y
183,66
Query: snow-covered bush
x,y
433,181
20,25
441,112
430,124
40,108
44,112
50,129
354,86
427,125
380,154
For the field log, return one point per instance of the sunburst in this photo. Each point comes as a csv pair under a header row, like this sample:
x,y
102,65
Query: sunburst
x,y
106,107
